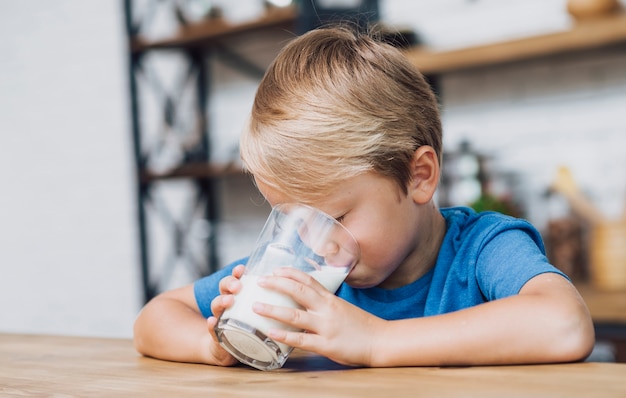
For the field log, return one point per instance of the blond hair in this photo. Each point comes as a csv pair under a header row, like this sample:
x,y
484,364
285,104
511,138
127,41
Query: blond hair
x,y
336,103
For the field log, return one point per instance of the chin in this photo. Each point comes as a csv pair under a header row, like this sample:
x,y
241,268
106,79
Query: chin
x,y
360,283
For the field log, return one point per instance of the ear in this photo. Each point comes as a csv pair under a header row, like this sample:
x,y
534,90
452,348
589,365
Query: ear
x,y
424,174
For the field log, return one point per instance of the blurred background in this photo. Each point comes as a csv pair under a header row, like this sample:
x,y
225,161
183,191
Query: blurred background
x,y
96,214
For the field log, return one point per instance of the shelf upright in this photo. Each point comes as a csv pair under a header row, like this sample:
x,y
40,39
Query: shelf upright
x,y
159,263
171,139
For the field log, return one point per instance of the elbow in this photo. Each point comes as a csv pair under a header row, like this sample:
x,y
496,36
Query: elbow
x,y
139,341
138,344
578,345
576,337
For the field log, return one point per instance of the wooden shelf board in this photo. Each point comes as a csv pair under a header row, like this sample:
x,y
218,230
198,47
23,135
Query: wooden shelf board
x,y
193,170
584,35
212,31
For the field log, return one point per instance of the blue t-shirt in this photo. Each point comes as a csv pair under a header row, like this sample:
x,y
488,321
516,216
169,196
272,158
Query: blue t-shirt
x,y
483,257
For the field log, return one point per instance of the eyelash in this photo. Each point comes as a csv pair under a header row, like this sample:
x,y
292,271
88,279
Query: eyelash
x,y
340,218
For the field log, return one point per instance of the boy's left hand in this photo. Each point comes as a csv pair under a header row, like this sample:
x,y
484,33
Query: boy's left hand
x,y
334,328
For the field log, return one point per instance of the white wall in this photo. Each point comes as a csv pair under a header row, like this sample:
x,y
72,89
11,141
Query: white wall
x,y
67,234
68,251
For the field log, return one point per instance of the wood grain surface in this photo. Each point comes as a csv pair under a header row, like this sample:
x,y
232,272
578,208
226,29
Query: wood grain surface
x,y
77,366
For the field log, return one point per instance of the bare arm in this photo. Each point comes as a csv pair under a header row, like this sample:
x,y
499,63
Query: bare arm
x,y
546,322
171,327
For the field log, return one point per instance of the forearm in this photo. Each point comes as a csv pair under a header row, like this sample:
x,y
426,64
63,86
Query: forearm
x,y
168,329
520,329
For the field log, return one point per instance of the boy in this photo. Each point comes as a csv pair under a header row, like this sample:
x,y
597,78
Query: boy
x,y
346,124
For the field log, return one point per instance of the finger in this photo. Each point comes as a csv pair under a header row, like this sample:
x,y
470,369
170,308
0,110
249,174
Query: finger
x,y
229,284
238,271
221,303
295,274
301,287
294,317
211,324
300,277
222,357
302,340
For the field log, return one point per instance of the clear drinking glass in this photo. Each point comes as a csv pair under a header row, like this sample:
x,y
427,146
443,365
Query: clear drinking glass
x,y
294,235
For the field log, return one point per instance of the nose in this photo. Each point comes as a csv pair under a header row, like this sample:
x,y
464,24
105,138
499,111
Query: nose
x,y
331,248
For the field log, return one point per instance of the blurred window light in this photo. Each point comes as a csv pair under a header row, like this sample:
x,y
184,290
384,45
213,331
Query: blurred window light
x,y
279,3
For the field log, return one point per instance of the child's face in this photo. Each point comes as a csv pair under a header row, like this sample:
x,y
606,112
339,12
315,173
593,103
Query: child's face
x,y
384,221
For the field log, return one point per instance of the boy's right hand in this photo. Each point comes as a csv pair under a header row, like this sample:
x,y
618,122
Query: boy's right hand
x,y
228,286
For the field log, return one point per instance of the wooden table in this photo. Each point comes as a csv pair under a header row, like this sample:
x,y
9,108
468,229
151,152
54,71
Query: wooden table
x,y
75,366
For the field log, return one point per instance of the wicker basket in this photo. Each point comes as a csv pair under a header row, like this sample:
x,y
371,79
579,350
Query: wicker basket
x,y
608,256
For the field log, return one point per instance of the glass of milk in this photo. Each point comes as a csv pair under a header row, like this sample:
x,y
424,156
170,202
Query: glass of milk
x,y
294,235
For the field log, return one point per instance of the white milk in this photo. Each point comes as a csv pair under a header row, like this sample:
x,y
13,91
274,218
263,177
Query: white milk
x,y
242,309
330,277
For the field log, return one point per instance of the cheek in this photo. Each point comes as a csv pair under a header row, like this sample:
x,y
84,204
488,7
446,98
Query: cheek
x,y
383,243
380,257
386,253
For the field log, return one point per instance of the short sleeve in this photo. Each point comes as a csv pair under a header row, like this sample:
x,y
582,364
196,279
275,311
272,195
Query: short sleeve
x,y
207,288
509,260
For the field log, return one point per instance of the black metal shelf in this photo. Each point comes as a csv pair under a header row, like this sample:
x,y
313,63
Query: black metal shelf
x,y
179,100
214,31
